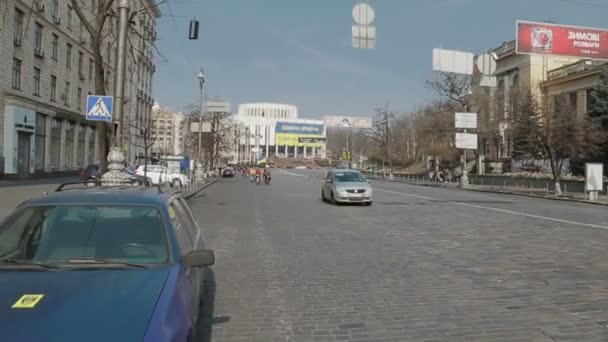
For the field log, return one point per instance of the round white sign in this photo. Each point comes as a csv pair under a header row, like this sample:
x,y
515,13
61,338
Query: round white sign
x,y
363,14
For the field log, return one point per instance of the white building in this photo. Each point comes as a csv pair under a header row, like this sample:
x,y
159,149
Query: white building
x,y
263,136
167,131
46,73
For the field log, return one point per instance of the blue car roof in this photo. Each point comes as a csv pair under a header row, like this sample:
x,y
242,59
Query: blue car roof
x,y
127,195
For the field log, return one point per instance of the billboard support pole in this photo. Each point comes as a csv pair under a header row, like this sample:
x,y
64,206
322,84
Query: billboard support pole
x,y
464,180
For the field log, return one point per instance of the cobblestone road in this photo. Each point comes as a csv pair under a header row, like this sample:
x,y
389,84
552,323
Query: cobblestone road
x,y
422,264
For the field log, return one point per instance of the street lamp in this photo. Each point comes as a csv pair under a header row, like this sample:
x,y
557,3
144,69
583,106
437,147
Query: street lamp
x,y
201,84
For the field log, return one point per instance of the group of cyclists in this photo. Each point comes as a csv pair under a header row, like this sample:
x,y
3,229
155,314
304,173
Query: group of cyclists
x,y
256,174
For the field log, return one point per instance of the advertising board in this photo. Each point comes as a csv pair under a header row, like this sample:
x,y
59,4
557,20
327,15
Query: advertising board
x,y
467,141
291,133
574,41
465,120
348,121
451,61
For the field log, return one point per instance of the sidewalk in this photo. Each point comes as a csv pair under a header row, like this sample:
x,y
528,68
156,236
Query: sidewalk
x,y
511,190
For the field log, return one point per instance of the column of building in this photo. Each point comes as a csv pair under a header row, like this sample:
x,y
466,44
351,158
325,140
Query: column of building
x,y
47,144
62,166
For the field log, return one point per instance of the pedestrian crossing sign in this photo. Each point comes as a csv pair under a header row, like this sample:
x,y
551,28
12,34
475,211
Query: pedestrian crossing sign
x,y
99,108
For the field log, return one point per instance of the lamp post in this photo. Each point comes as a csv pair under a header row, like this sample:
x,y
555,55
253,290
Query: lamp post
x,y
201,84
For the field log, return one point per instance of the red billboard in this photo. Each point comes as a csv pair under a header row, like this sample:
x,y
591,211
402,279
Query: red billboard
x,y
575,41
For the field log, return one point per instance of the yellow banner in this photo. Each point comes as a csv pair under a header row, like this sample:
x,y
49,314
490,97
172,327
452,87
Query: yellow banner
x,y
283,139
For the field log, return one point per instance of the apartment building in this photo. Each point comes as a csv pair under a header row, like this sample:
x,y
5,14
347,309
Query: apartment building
x,y
46,73
168,131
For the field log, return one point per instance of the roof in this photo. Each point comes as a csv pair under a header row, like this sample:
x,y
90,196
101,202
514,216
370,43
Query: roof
x,y
128,195
345,170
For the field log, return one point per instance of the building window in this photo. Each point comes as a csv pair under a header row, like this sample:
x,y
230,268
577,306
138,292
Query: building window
x,y
54,44
16,73
36,90
79,98
53,88
91,65
66,94
80,64
108,80
18,26
68,56
55,144
70,10
39,141
55,8
38,38
109,52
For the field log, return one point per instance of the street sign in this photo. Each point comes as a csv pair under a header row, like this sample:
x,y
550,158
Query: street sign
x,y
451,61
99,108
465,120
594,177
467,141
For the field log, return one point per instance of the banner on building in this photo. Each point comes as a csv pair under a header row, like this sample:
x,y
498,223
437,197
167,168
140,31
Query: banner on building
x,y
348,121
290,133
574,41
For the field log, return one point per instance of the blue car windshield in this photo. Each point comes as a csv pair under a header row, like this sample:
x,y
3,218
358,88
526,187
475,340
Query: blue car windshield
x,y
133,234
348,177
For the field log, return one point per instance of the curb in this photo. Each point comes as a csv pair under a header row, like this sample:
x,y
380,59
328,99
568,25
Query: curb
x,y
197,191
501,192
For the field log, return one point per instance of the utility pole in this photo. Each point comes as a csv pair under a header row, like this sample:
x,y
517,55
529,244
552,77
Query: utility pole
x,y
121,61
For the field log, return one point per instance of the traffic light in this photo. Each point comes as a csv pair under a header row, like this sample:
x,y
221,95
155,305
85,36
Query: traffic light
x,y
193,32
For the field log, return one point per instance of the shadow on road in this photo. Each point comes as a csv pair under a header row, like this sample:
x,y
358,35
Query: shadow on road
x,y
206,320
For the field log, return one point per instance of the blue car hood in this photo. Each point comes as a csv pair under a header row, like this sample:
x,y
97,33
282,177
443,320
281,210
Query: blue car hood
x,y
80,305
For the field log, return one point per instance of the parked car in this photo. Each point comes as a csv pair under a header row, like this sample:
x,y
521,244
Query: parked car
x,y
90,173
93,173
160,174
346,186
228,172
133,258
140,179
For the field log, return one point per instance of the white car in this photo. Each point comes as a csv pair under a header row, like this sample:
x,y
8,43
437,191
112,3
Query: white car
x,y
160,174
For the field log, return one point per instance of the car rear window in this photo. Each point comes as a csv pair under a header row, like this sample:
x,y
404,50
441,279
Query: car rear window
x,y
349,177
54,233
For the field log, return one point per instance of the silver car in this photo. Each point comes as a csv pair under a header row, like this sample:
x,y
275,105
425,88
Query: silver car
x,y
346,186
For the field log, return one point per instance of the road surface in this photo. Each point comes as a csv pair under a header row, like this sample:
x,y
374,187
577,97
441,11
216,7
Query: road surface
x,y
421,264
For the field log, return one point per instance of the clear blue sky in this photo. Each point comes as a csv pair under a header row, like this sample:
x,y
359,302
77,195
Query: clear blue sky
x,y
299,51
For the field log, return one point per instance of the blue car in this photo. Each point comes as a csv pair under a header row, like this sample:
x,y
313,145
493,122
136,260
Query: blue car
x,y
102,264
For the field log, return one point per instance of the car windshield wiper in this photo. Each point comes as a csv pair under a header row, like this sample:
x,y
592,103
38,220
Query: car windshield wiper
x,y
94,261
19,262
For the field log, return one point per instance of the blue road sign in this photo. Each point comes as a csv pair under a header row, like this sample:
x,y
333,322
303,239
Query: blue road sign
x,y
99,108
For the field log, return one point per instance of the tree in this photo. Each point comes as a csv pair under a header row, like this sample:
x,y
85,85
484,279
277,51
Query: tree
x,y
146,140
556,137
381,133
454,87
218,140
100,29
598,106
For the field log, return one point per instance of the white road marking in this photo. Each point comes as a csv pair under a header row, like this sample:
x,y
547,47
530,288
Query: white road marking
x,y
287,173
505,211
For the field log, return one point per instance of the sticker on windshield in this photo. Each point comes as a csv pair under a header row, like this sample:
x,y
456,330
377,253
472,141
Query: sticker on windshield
x,y
171,212
27,301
